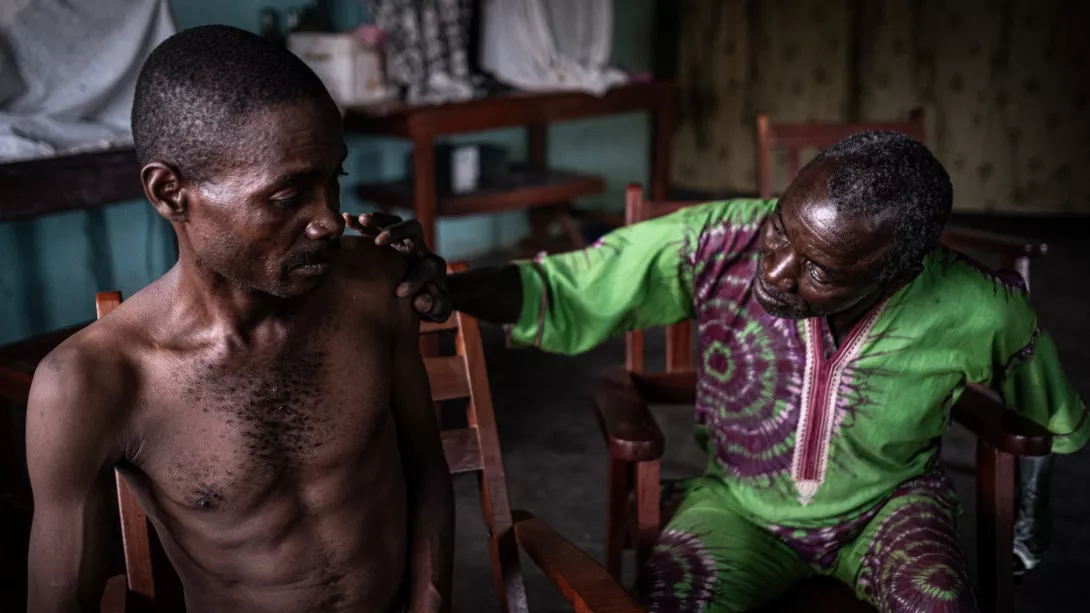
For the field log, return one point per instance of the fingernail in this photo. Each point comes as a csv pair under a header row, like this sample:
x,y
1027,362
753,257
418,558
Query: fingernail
x,y
402,290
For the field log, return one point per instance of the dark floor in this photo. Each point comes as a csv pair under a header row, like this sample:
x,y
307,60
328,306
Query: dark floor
x,y
556,461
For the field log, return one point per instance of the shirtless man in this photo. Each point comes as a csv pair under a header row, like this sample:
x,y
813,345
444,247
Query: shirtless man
x,y
266,397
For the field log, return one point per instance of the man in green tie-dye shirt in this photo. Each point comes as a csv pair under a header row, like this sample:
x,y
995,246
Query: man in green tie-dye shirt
x,y
834,336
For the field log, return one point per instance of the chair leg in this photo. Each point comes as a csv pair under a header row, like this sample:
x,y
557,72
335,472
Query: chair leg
x,y
648,512
503,550
620,484
995,528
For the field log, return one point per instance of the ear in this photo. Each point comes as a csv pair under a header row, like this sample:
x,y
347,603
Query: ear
x,y
166,190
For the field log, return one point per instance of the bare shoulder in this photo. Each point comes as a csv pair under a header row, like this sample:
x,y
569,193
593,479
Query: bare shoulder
x,y
371,268
376,272
86,385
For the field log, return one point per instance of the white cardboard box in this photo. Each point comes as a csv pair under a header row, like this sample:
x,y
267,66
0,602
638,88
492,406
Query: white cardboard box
x,y
350,71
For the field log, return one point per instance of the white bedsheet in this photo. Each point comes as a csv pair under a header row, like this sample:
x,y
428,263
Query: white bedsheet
x,y
68,72
550,44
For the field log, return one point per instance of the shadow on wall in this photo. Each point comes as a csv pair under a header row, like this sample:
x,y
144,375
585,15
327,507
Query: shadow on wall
x,y
51,267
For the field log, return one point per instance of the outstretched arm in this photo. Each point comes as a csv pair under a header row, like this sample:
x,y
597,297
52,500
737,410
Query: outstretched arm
x,y
431,497
71,443
492,294
635,277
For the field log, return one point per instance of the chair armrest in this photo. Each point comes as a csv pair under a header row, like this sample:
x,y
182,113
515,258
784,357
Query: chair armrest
x,y
677,387
1012,246
583,582
982,412
626,422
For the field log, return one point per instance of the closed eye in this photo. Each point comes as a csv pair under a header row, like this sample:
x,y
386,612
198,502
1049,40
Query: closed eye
x,y
290,198
819,276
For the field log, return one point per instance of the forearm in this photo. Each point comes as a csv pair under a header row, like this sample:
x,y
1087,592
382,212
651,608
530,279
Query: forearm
x,y
492,294
432,540
55,583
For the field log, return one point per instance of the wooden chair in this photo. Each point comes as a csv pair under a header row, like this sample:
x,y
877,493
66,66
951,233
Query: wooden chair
x,y
638,509
472,449
794,138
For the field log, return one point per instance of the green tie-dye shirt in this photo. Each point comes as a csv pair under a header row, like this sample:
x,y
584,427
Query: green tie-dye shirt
x,y
803,433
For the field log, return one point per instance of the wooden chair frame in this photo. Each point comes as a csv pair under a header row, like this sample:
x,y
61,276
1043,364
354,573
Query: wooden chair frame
x,y
473,449
636,443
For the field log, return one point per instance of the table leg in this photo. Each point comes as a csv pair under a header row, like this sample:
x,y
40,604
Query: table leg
x,y
537,146
426,208
663,145
537,153
541,218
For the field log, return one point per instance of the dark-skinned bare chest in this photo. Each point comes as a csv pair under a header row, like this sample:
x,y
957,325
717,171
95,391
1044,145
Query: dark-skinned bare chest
x,y
233,429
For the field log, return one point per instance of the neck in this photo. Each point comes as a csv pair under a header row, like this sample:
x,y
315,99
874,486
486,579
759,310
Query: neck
x,y
225,308
841,323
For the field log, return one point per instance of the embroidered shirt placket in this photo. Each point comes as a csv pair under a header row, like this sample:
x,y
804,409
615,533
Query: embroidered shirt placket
x,y
821,383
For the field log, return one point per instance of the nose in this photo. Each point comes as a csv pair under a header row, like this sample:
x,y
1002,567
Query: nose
x,y
326,224
781,268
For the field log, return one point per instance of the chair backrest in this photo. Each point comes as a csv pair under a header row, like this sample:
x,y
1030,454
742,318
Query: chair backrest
x,y
474,448
794,138
1012,253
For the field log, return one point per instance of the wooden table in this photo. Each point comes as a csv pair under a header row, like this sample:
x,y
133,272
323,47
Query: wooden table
x,y
82,181
534,185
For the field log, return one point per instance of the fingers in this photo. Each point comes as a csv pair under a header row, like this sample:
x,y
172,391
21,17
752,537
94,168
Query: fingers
x,y
423,304
433,304
378,219
370,224
407,237
427,271
352,222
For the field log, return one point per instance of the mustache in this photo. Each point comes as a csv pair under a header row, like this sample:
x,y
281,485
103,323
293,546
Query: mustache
x,y
314,255
778,296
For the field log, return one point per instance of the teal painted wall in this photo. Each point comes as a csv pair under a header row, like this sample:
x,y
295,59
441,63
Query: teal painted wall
x,y
51,267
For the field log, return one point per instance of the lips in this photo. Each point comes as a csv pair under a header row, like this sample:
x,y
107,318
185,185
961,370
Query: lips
x,y
311,263
313,268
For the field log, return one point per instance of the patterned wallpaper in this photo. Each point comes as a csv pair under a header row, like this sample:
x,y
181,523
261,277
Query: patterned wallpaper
x,y
1004,85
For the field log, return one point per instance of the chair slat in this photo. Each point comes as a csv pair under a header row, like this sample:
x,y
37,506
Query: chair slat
x,y
134,523
462,447
135,540
821,135
106,302
428,327
448,377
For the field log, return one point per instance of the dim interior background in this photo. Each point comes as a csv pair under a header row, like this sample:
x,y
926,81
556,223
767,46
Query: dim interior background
x,y
1004,87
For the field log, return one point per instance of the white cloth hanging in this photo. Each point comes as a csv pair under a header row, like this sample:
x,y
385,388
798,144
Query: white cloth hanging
x,y
68,72
550,44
